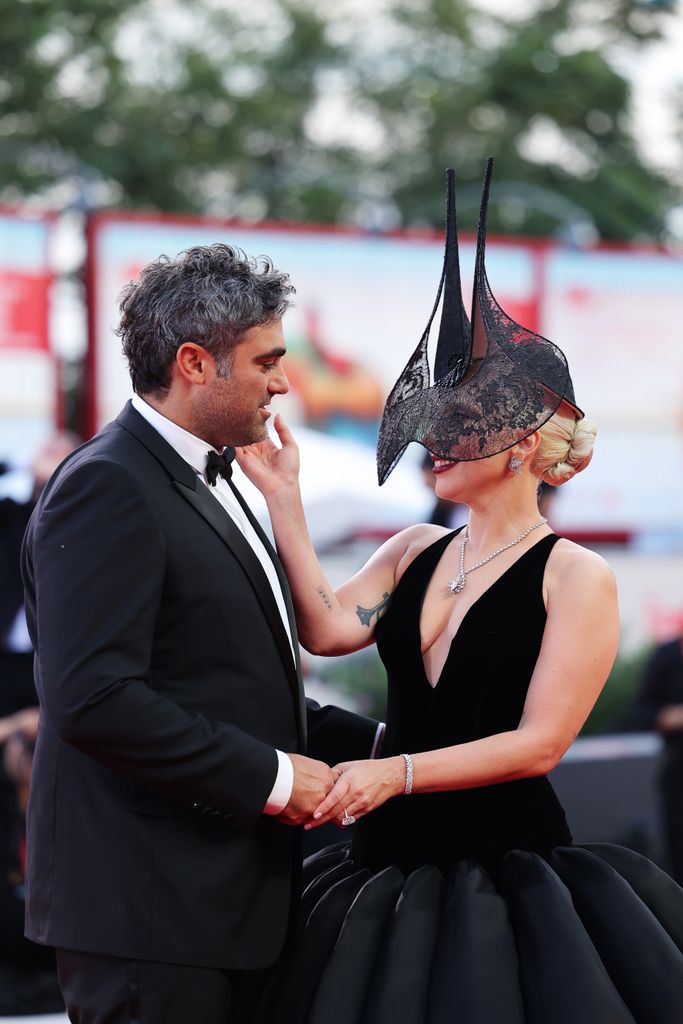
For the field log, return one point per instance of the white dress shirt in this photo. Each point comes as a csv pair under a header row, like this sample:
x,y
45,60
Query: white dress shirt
x,y
17,639
194,451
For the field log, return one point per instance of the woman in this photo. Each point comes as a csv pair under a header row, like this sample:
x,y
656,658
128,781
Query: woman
x,y
497,639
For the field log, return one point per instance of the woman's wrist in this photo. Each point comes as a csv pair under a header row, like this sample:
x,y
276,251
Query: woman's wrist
x,y
284,493
403,775
408,769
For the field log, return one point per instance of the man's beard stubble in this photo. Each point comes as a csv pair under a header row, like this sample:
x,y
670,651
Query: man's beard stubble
x,y
232,425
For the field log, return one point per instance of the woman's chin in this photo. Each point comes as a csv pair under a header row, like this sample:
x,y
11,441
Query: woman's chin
x,y
448,491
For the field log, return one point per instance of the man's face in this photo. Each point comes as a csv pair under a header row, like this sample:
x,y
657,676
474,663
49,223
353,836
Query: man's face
x,y
233,407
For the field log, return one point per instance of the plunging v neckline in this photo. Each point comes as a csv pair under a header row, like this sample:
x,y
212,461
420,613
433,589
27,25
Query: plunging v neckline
x,y
455,533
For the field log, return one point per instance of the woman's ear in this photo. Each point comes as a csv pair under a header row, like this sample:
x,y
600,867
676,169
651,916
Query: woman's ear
x,y
528,446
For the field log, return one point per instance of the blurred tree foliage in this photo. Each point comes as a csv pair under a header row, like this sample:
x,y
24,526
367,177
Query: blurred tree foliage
x,y
611,708
291,109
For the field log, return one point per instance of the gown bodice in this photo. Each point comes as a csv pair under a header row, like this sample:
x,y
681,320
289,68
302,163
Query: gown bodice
x,y
481,691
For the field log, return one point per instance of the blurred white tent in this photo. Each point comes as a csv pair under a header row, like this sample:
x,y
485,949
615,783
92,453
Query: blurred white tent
x,y
41,1018
339,486
340,490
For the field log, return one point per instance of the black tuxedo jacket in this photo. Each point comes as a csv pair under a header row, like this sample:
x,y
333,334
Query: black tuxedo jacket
x,y
166,682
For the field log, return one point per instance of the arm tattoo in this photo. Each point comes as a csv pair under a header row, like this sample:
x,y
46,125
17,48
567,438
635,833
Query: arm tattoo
x,y
365,614
323,594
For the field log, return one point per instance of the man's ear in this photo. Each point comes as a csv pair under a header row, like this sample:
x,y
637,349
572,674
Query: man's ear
x,y
194,362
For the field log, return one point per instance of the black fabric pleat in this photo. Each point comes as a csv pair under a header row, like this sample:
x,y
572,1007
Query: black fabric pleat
x,y
662,895
343,987
294,989
563,978
321,861
476,971
642,959
319,886
400,984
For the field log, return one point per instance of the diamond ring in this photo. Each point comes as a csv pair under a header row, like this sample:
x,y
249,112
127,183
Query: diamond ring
x,y
348,819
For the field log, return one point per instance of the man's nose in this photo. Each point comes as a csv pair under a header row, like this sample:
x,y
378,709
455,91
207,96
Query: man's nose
x,y
278,383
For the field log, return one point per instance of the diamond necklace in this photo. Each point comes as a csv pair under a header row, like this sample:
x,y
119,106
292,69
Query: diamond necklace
x,y
458,582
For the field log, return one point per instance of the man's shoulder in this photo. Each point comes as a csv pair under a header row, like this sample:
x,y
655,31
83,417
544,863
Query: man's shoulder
x,y
113,457
112,444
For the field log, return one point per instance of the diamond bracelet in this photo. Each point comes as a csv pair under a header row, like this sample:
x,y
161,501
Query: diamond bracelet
x,y
409,774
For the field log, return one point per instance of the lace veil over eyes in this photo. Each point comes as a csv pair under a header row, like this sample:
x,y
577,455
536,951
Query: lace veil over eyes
x,y
494,381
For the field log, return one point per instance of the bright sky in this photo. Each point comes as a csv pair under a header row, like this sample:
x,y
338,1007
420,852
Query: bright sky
x,y
658,76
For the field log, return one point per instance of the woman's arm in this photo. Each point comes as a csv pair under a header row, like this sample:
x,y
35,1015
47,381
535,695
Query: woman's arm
x,y
578,650
329,622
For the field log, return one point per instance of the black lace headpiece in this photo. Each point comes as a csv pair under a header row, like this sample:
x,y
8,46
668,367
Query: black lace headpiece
x,y
494,381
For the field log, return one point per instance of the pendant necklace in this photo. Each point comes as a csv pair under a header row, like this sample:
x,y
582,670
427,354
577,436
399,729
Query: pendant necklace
x,y
458,582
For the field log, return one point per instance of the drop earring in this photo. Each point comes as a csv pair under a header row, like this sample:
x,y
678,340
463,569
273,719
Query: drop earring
x,y
516,465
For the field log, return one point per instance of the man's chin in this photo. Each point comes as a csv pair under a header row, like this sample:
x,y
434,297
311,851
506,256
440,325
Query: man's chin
x,y
255,436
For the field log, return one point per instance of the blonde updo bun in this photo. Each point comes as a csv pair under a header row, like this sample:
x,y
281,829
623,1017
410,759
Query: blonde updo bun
x,y
565,448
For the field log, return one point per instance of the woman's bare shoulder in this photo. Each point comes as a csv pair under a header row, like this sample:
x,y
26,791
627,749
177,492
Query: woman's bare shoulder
x,y
571,564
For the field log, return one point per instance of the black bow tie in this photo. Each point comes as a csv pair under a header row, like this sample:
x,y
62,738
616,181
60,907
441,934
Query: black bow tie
x,y
219,465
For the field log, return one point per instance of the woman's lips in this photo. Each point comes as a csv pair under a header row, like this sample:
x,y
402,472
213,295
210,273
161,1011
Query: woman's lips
x,y
443,465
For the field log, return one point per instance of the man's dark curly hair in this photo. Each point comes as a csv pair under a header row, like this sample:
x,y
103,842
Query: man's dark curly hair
x,y
210,294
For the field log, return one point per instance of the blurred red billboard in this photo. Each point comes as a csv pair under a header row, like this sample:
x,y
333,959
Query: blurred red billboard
x,y
28,387
361,305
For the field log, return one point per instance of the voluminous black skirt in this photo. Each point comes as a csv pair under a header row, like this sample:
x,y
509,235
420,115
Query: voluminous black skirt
x,y
588,935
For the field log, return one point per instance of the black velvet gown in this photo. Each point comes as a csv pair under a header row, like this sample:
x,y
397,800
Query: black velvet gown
x,y
472,906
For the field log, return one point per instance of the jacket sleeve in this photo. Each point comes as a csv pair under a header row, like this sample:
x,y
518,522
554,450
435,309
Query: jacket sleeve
x,y
94,563
336,735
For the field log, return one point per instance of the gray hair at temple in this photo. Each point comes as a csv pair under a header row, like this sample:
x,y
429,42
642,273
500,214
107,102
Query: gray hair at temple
x,y
209,294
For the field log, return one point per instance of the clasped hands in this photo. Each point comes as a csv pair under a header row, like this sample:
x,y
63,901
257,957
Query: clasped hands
x,y
350,789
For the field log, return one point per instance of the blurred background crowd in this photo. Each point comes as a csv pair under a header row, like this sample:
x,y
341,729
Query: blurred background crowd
x,y
319,134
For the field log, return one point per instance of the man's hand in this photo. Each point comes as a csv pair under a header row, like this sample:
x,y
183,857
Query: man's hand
x,y
17,752
24,722
361,787
670,718
313,780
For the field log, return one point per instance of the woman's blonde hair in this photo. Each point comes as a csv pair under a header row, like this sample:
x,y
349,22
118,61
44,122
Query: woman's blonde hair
x,y
566,447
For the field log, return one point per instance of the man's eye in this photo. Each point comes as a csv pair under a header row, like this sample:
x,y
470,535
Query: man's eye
x,y
268,366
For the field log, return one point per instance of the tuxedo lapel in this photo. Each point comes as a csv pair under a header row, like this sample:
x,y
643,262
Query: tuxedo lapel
x,y
289,604
209,509
193,491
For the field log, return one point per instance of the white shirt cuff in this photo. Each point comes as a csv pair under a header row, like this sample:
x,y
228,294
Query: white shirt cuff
x,y
284,783
379,737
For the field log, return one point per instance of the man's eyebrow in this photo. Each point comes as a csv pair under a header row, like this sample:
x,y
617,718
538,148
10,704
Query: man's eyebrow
x,y
275,353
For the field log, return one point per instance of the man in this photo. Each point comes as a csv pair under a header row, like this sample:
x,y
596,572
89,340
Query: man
x,y
658,704
173,730
28,980
16,656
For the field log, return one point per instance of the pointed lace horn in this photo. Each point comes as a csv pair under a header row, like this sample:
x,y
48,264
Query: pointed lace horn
x,y
453,346
479,342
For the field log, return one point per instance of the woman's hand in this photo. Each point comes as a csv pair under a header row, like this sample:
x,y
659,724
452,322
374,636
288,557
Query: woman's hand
x,y
268,467
361,787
